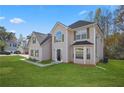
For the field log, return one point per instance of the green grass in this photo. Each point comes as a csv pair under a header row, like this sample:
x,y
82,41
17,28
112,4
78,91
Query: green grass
x,y
16,72
33,60
46,62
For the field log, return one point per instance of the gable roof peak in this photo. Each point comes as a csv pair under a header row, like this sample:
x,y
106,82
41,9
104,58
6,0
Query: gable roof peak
x,y
41,37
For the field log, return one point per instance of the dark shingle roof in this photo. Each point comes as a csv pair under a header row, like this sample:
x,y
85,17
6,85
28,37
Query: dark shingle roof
x,y
42,37
79,24
82,43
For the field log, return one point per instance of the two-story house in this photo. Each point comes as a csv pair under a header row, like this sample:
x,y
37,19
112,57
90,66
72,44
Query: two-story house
x,y
23,45
11,46
80,42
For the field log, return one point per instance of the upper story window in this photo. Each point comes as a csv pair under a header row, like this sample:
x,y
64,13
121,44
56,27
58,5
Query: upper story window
x,y
59,37
82,34
88,53
33,40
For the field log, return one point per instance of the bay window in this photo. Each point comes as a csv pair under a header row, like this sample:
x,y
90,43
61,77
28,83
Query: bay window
x,y
79,53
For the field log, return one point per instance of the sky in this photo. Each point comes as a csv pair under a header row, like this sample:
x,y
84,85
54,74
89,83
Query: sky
x,y
41,18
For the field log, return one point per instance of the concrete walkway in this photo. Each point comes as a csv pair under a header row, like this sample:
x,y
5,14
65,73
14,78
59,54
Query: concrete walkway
x,y
40,64
23,55
101,67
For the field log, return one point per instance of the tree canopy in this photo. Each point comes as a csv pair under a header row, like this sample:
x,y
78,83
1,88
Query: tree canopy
x,y
5,36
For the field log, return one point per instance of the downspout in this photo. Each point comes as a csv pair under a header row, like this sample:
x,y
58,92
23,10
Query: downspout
x,y
94,45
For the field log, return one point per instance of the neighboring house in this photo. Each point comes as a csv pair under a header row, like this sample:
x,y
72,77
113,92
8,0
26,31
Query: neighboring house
x,y
11,46
40,46
23,46
81,43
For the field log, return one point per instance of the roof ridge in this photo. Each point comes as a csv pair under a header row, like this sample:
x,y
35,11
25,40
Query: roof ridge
x,y
39,33
80,23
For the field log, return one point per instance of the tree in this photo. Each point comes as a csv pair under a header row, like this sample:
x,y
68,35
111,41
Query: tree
x,y
4,37
90,16
2,45
97,17
103,17
119,50
120,15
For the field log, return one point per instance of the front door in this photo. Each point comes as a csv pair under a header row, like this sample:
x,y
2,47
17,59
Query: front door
x,y
58,55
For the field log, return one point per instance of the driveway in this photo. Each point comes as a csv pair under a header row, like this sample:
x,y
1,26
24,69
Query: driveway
x,y
23,55
9,55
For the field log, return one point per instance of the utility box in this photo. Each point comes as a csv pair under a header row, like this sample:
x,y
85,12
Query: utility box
x,y
105,60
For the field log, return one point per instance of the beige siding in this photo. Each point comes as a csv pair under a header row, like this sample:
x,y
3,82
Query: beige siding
x,y
99,46
67,49
70,46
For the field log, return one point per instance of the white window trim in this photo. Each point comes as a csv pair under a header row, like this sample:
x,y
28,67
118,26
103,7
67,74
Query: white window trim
x,y
80,36
84,54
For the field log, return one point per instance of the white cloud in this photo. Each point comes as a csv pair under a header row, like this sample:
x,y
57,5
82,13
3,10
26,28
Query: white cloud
x,y
83,12
2,17
17,21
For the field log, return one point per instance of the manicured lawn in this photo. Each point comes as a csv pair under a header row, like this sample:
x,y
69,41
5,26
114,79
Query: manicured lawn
x,y
16,72
46,62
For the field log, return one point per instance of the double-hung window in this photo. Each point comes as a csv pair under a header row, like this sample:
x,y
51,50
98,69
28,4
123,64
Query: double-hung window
x,y
82,34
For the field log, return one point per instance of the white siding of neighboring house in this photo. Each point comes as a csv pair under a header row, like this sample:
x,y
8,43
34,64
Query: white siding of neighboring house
x,y
35,46
44,49
11,46
47,50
